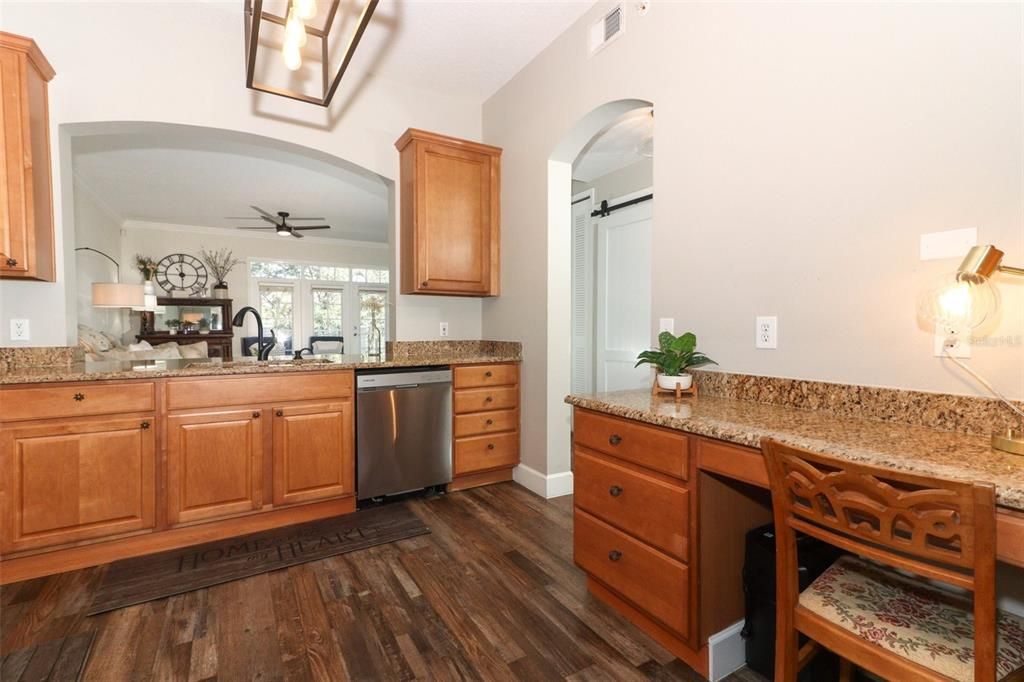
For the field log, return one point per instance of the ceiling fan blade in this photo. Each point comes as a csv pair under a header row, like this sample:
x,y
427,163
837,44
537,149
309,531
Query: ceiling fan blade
x,y
262,212
278,222
294,218
241,217
311,227
296,234
260,227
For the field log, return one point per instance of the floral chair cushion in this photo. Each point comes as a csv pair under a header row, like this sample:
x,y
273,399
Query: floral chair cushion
x,y
930,626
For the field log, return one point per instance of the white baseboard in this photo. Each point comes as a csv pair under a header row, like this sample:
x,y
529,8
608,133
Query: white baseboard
x,y
726,652
545,485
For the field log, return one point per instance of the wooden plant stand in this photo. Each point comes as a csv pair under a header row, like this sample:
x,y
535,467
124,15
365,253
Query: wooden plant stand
x,y
678,391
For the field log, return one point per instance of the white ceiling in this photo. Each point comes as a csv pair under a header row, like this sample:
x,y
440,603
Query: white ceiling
x,y
467,47
199,176
615,147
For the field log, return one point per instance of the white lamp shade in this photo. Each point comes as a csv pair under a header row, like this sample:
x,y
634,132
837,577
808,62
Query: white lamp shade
x,y
116,295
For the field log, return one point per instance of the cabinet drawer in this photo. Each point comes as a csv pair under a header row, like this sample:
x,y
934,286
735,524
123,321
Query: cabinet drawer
x,y
481,453
652,581
475,376
184,394
655,448
646,507
480,399
486,422
45,402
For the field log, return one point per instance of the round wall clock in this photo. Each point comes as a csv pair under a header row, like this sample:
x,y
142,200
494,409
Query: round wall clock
x,y
181,272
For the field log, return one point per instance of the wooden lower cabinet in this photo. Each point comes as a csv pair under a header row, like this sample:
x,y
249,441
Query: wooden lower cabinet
x,y
76,480
214,465
314,453
485,403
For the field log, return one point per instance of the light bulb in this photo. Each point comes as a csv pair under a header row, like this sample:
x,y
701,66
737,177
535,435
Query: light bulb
x,y
305,9
281,232
959,303
292,56
294,30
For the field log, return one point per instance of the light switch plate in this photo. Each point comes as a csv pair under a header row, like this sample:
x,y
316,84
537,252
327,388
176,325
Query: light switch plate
x,y
20,330
444,329
948,244
767,332
667,324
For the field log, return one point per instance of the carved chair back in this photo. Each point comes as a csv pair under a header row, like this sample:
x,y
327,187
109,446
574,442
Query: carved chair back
x,y
933,527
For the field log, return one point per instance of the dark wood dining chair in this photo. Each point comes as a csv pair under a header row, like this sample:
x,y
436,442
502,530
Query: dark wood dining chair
x,y
880,607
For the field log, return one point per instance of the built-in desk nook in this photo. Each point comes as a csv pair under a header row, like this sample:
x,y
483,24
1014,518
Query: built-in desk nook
x,y
666,491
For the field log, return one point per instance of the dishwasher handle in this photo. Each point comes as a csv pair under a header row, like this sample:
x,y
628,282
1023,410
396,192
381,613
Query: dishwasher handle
x,y
371,389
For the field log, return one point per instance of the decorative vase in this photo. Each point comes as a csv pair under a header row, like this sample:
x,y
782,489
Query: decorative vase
x,y
669,382
172,332
220,290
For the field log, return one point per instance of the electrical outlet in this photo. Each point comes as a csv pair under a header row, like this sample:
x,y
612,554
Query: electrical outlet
x,y
951,343
667,324
767,332
19,330
444,329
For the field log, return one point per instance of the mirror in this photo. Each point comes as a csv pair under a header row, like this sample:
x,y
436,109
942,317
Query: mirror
x,y
212,221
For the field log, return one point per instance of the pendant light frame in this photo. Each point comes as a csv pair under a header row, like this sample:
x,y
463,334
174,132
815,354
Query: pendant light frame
x,y
255,17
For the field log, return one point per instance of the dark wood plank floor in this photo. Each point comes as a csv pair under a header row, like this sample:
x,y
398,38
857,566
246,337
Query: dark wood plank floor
x,y
491,594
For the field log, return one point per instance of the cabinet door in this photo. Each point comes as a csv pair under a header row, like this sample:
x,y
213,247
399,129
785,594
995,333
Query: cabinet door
x,y
13,208
214,465
76,480
456,220
313,452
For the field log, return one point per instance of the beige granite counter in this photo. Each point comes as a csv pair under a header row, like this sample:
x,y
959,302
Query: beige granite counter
x,y
898,446
151,369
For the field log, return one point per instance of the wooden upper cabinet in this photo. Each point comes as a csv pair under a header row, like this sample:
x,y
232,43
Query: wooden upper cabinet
x,y
450,215
26,194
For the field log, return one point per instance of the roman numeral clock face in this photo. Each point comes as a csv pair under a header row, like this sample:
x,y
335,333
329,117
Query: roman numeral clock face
x,y
181,272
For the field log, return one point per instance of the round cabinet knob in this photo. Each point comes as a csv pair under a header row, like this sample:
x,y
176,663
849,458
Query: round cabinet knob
x,y
79,397
490,446
614,555
615,491
424,284
488,399
488,374
11,262
489,422
144,425
280,413
255,415
615,439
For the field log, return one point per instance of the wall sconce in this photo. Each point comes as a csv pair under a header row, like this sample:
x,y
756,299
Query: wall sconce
x,y
966,301
295,35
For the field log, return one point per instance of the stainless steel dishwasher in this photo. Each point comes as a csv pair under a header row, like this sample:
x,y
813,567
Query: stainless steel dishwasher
x,y
403,430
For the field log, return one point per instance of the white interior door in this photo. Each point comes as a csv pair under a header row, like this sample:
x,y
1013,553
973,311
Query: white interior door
x,y
623,284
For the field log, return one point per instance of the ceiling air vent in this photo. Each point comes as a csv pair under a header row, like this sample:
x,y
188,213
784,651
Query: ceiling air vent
x,y
606,29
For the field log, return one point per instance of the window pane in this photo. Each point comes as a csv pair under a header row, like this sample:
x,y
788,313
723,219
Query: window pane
x,y
372,322
326,273
327,312
358,275
268,269
277,308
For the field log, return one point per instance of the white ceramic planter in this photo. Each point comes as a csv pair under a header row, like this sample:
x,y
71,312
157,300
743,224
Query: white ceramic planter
x,y
669,382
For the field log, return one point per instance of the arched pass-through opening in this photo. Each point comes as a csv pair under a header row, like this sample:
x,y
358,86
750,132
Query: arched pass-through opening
x,y
559,280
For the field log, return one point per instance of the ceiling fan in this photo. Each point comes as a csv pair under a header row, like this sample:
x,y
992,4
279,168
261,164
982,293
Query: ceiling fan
x,y
280,223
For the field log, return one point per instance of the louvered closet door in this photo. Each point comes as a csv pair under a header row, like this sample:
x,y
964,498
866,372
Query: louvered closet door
x,y
582,293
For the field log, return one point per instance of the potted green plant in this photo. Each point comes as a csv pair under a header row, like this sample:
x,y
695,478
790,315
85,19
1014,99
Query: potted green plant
x,y
204,325
172,326
674,355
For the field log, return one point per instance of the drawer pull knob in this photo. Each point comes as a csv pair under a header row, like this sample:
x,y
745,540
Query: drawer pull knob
x,y
488,399
489,422
614,555
79,397
490,446
255,415
615,491
615,439
280,413
425,283
488,374
144,425
11,262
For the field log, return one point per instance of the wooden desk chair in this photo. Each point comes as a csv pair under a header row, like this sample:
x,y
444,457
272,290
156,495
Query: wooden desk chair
x,y
891,624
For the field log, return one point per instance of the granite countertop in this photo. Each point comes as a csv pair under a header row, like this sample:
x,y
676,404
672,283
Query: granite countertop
x,y
151,369
897,446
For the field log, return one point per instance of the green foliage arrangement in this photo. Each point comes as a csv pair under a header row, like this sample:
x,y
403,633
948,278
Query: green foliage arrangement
x,y
675,354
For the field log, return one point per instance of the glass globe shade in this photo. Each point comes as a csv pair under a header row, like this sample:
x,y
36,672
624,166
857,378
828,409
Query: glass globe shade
x,y
959,302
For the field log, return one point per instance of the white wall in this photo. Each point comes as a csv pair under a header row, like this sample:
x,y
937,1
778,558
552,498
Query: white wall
x,y
802,148
158,240
182,62
97,226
